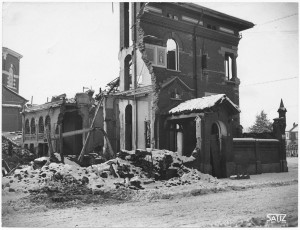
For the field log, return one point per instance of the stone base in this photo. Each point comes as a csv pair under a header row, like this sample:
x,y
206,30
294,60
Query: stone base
x,y
258,167
230,169
283,165
271,167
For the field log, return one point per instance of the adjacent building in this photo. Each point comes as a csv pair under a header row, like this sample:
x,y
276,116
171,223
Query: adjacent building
x,y
61,115
12,102
292,135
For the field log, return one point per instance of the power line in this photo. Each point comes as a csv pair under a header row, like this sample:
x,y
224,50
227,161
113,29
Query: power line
x,y
277,19
274,31
266,82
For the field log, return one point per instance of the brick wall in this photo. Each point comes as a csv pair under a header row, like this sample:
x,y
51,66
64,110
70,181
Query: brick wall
x,y
256,156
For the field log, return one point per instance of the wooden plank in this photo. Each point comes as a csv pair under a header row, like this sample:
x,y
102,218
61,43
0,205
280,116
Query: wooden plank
x,y
183,116
61,143
50,150
72,133
91,128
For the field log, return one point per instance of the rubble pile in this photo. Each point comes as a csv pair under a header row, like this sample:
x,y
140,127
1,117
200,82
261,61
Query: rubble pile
x,y
160,164
12,153
130,170
193,176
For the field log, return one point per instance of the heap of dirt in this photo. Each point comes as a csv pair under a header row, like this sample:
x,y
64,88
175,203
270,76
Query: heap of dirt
x,y
117,178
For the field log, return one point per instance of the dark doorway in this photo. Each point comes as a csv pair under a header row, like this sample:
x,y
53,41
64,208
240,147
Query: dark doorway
x,y
72,145
189,137
215,154
128,127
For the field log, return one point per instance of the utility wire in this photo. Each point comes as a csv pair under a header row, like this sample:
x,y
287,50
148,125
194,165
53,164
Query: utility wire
x,y
277,19
266,82
273,31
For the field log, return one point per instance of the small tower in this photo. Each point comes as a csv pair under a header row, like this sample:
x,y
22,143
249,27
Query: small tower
x,y
279,126
282,110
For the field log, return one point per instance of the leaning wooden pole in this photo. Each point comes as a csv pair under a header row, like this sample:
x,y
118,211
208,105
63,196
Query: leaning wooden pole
x,y
61,147
89,133
93,121
50,150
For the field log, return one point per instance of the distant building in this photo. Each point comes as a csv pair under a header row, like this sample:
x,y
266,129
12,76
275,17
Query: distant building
x,y
12,102
292,135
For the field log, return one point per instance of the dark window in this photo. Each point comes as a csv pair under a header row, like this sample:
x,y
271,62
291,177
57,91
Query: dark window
x,y
204,61
172,55
32,126
41,125
48,122
127,72
27,127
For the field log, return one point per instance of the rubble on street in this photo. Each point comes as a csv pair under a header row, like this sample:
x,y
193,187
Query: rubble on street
x,y
131,170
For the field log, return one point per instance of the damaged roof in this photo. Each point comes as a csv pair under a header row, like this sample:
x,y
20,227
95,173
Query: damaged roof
x,y
138,91
48,105
203,103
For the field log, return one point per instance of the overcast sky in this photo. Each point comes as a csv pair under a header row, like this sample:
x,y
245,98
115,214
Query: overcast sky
x,y
68,46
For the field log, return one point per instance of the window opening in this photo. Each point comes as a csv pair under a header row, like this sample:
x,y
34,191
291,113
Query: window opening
x,y
172,55
48,122
27,127
228,66
32,126
41,125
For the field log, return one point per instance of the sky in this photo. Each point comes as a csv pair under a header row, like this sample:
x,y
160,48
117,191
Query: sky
x,y
67,46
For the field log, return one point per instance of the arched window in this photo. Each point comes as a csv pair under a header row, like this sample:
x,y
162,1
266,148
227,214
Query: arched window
x,y
48,122
41,125
127,72
172,54
32,125
27,127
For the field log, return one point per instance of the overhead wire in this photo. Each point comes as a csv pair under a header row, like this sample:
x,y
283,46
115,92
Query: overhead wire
x,y
277,19
267,82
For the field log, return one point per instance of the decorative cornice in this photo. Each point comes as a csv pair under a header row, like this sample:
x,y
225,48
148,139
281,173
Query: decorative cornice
x,y
6,51
200,31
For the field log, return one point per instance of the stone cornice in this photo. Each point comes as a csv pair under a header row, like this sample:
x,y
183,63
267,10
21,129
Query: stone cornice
x,y
200,31
6,51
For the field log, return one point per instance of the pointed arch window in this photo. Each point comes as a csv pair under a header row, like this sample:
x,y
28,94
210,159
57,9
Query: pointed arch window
x,y
172,54
41,125
127,72
48,122
27,127
32,125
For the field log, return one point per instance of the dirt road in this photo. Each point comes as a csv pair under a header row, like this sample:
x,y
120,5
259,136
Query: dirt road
x,y
205,210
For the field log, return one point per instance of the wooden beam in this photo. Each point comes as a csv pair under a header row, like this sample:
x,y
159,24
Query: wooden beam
x,y
61,143
72,133
184,116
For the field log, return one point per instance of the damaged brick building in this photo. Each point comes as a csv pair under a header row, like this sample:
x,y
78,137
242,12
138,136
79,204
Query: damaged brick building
x,y
178,85
176,52
177,89
61,115
12,101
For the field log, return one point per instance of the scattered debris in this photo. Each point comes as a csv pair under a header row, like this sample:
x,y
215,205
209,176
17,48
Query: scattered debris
x,y
240,176
130,170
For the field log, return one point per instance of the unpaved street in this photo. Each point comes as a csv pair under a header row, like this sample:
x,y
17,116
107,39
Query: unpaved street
x,y
199,211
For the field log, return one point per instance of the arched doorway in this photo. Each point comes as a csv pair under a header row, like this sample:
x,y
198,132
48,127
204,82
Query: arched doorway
x,y
128,127
215,151
72,145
